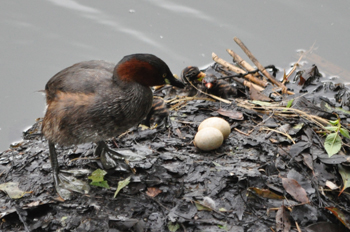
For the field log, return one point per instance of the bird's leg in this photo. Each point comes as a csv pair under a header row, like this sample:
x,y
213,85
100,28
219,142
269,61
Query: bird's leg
x,y
64,184
110,158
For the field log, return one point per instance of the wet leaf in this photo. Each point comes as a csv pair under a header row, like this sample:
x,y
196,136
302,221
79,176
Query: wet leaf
x,y
11,188
282,220
325,227
173,227
255,94
344,132
308,160
121,184
345,175
332,144
102,184
266,193
295,190
153,192
202,207
231,114
97,175
344,218
97,178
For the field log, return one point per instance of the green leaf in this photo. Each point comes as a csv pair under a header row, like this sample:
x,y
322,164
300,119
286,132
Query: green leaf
x,y
122,184
331,128
97,178
97,175
344,132
103,184
289,103
334,123
332,144
173,227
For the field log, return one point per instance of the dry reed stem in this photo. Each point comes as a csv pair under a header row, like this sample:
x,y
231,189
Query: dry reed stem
x,y
242,63
235,69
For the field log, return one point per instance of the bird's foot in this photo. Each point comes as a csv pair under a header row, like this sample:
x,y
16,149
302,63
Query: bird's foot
x,y
65,184
110,158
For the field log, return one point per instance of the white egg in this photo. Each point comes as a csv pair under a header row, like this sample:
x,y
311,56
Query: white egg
x,y
218,123
208,139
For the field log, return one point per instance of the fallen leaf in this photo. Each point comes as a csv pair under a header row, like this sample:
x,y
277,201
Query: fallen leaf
x,y
282,220
344,218
331,185
295,190
308,160
11,188
202,207
266,193
345,175
121,184
236,115
257,95
153,192
173,227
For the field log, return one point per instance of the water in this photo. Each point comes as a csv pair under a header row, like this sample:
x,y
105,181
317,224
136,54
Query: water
x,y
39,38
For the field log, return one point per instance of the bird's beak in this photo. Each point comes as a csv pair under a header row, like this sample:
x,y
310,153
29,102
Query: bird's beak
x,y
171,80
209,85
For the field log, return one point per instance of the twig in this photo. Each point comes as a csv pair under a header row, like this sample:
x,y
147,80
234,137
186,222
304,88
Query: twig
x,y
296,64
260,67
239,131
265,120
244,64
235,69
280,132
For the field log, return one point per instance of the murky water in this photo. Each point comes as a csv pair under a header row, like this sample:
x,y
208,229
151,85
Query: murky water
x,y
39,38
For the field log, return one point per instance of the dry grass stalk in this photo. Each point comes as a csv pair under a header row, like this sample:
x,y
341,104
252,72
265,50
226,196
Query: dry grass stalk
x,y
280,132
283,111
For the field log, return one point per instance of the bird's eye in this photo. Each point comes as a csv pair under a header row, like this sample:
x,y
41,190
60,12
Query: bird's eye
x,y
164,75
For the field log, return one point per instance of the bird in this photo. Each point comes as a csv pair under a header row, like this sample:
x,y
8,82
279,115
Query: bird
x,y
95,100
218,87
191,74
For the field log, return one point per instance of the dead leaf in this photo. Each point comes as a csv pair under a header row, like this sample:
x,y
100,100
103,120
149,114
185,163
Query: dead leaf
x,y
153,192
331,185
266,193
236,115
282,220
11,188
295,190
308,160
344,218
345,175
257,95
